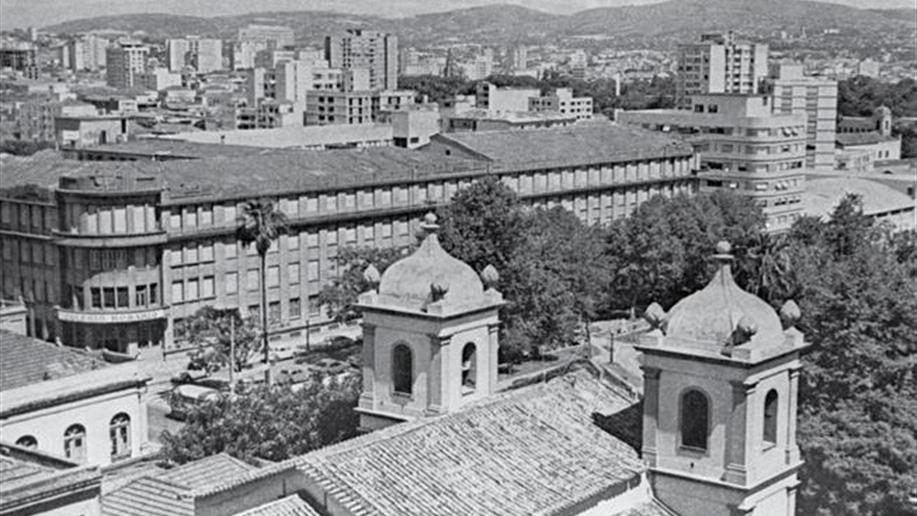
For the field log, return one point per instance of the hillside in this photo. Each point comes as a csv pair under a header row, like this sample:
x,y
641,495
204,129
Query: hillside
x,y
652,25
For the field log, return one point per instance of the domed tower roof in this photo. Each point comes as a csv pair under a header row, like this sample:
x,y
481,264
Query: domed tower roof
x,y
722,319
431,280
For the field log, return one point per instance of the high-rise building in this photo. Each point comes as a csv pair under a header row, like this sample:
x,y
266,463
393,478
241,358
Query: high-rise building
x,y
520,58
478,69
20,56
375,51
743,146
203,54
125,59
280,36
719,63
795,92
85,53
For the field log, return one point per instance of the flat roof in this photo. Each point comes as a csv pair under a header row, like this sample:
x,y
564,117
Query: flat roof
x,y
288,137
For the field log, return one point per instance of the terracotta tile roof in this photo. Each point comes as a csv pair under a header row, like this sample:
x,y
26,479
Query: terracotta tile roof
x,y
28,361
568,146
173,492
289,506
651,508
535,450
867,138
27,476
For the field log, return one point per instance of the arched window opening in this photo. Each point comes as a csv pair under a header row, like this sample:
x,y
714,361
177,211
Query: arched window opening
x,y
119,432
694,420
469,367
770,417
402,369
27,441
75,443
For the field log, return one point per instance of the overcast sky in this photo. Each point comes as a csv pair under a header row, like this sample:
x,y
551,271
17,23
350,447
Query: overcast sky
x,y
41,13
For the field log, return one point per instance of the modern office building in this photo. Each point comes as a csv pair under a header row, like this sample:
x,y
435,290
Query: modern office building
x,y
743,146
115,253
271,35
21,57
354,107
719,63
85,53
374,51
795,92
124,60
203,54
562,101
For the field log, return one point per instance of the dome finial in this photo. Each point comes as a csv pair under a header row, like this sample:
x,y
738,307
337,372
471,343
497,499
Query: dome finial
x,y
429,223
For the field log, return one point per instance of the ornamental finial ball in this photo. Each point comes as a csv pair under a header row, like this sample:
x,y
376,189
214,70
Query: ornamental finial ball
x,y
723,247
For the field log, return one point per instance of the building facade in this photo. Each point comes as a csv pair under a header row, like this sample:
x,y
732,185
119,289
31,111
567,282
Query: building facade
x,y
371,50
795,92
562,101
203,54
113,254
124,60
719,63
21,57
743,146
269,35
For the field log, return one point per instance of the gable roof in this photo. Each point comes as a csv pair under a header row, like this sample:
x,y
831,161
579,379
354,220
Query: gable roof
x,y
536,450
867,138
568,146
27,361
289,506
173,492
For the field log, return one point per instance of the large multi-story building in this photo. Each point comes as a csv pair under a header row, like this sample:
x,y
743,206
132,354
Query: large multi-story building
x,y
270,35
562,101
19,56
743,146
354,107
795,92
719,63
85,53
124,60
494,98
203,54
116,253
374,51
34,119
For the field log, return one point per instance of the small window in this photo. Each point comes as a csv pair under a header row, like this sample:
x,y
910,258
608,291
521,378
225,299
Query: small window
x,y
27,441
770,417
694,420
119,432
402,369
75,443
469,367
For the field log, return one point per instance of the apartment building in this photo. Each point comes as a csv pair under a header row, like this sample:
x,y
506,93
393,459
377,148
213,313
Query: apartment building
x,y
270,35
19,56
719,63
116,253
86,53
354,107
34,119
203,54
158,79
371,50
562,101
494,98
795,92
743,146
124,60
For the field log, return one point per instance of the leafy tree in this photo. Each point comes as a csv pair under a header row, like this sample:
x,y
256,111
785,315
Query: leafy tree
x,y
211,329
262,224
23,147
340,295
273,423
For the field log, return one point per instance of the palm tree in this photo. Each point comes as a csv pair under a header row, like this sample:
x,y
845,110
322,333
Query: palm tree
x,y
261,223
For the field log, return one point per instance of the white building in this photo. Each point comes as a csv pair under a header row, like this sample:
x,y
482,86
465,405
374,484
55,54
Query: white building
x,y
124,60
719,63
203,54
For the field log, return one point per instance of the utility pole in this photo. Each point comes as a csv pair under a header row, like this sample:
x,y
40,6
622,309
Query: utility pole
x,y
232,353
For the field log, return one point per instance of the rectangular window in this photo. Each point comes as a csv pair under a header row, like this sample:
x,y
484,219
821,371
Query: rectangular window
x,y
49,255
232,282
251,279
314,306
37,257
293,242
175,221
191,255
293,273
121,259
312,270
190,218
207,287
254,310
311,240
178,292
25,251
206,252
96,294
295,308
140,297
207,216
273,276
230,250
176,256
229,214
154,289
192,291
273,311
123,297
7,250
108,297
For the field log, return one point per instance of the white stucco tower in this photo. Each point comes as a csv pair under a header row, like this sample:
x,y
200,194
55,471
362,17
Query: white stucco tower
x,y
721,373
429,336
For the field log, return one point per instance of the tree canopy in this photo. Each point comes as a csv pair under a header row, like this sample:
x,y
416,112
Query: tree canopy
x,y
339,297
273,423
211,330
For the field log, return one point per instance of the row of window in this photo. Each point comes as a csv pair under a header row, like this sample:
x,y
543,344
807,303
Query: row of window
x,y
144,296
36,253
695,419
74,440
28,218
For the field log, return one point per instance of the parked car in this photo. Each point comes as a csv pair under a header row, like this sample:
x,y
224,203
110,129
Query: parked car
x,y
183,398
330,366
293,375
188,377
280,351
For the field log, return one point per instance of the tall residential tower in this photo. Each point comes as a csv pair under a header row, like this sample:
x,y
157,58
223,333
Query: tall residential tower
x,y
375,51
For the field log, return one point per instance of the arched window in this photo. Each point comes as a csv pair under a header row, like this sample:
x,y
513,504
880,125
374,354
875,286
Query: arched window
x,y
75,443
119,431
402,369
469,367
770,417
27,441
695,422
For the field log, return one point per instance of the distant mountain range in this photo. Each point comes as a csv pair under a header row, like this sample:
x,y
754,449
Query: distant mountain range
x,y
507,24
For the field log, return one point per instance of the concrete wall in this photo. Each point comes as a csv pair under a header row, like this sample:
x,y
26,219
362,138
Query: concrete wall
x,y
252,494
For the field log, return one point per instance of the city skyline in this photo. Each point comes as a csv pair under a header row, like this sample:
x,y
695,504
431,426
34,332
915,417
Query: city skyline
x,y
42,13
